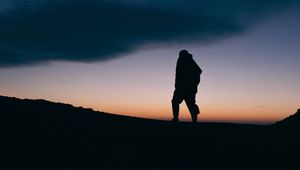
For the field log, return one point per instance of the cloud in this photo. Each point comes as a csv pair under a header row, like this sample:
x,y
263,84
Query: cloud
x,y
40,31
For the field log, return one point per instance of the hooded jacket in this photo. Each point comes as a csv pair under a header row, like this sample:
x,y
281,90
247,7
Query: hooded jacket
x,y
187,74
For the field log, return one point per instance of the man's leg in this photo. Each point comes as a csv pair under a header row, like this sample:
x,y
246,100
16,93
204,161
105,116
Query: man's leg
x,y
176,100
192,106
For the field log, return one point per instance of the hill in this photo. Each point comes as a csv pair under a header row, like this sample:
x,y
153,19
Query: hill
x,y
293,121
41,134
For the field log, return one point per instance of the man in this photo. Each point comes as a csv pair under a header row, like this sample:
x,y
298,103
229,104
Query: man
x,y
186,82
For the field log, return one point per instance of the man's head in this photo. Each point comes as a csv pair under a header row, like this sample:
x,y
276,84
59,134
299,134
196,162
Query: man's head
x,y
183,53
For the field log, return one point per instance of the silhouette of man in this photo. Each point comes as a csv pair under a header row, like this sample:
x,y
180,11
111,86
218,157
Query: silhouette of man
x,y
186,82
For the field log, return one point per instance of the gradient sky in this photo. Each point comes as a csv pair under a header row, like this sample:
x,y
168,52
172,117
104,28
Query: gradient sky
x,y
120,56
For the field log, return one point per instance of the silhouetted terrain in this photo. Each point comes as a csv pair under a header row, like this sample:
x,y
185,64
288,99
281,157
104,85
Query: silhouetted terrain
x,y
292,121
41,134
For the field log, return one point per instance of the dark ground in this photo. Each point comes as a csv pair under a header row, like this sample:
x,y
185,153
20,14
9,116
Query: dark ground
x,y
38,134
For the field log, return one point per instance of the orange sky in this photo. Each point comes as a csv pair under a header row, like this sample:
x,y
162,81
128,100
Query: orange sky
x,y
89,86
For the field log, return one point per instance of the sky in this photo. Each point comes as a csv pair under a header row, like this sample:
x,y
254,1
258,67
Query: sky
x,y
119,56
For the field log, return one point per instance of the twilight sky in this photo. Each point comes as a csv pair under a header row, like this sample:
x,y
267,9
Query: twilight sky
x,y
119,56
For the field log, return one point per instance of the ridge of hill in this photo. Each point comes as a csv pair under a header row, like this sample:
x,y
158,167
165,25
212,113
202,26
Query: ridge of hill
x,y
292,121
50,115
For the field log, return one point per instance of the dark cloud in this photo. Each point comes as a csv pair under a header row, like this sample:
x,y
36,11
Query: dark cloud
x,y
40,31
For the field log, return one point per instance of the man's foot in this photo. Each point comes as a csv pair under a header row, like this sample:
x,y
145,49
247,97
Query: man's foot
x,y
194,118
175,119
